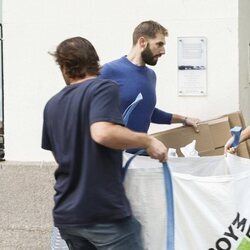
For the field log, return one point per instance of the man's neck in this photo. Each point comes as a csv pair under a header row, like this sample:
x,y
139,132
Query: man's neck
x,y
79,80
134,57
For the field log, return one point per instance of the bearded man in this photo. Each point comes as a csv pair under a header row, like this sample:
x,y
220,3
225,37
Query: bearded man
x,y
133,77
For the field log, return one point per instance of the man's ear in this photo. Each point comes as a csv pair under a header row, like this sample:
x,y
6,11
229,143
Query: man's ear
x,y
142,42
65,77
63,70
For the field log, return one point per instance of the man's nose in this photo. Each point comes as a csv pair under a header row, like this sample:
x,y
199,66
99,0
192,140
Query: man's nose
x,y
163,51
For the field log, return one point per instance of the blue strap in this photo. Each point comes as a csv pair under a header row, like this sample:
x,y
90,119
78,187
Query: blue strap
x,y
125,167
236,131
130,108
169,199
170,207
167,180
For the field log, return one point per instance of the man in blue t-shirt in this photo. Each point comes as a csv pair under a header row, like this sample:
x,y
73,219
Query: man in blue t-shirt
x,y
134,77
83,127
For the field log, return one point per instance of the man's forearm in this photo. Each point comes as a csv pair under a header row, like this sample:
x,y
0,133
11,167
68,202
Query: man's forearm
x,y
118,137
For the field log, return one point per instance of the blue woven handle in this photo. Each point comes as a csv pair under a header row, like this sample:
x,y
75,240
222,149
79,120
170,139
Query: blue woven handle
x,y
169,199
125,167
167,179
236,131
170,207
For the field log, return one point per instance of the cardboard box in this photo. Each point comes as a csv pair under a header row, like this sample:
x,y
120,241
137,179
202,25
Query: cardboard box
x,y
211,138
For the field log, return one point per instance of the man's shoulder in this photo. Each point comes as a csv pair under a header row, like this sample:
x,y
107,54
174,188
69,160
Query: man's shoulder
x,y
54,97
115,63
114,68
106,82
101,84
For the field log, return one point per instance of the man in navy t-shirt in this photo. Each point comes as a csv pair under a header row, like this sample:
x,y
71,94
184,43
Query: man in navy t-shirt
x,y
83,127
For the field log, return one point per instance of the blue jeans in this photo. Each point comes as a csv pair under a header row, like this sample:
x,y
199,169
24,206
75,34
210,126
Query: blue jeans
x,y
124,234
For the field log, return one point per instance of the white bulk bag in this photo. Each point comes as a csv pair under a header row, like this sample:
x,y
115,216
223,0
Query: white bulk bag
x,y
211,201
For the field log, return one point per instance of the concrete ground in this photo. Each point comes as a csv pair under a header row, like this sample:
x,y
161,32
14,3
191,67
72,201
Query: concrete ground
x,y
26,201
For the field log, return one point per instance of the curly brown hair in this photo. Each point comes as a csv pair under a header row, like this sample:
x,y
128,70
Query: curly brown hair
x,y
78,56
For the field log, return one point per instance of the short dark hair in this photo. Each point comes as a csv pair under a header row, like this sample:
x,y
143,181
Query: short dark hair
x,y
148,29
78,56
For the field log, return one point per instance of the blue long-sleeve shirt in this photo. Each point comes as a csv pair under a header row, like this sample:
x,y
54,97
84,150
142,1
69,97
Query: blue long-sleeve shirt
x,y
132,80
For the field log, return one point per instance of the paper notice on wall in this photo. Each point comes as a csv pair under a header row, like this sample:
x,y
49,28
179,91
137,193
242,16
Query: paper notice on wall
x,y
192,66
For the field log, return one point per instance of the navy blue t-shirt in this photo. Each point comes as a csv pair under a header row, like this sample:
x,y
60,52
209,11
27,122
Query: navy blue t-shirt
x,y
88,185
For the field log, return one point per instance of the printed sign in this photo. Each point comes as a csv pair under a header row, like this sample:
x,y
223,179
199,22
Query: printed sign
x,y
192,66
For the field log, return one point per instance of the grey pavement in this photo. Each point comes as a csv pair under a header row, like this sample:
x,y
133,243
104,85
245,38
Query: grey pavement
x,y
26,201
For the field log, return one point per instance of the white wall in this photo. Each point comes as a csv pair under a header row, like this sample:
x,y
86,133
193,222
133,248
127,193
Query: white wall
x,y
1,104
216,20
244,58
1,10
31,28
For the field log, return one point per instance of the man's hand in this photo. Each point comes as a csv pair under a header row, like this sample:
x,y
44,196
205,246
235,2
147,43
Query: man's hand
x,y
157,150
192,122
228,147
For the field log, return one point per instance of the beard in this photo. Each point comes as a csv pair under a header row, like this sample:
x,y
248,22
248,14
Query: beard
x,y
148,57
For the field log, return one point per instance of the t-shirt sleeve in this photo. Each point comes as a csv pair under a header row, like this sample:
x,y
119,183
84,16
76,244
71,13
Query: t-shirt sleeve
x,y
105,105
161,117
45,137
